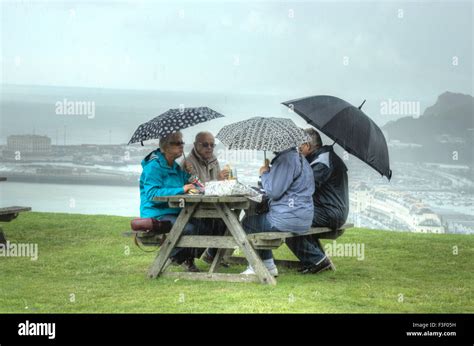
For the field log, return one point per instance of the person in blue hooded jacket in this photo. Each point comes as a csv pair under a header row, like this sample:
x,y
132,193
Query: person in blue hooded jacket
x,y
163,176
289,185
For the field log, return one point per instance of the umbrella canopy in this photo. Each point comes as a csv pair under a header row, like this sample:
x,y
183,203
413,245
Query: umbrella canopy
x,y
348,126
172,121
258,133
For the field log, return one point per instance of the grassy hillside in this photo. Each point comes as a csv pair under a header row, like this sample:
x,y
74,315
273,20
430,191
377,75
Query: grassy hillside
x,y
85,265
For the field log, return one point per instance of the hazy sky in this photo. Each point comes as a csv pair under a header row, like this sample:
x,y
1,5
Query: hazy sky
x,y
353,49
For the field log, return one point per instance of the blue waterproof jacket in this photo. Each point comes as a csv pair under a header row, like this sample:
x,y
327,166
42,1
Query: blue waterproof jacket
x,y
290,186
159,179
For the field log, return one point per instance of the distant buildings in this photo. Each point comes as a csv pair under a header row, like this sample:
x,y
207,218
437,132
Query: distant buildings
x,y
34,148
398,210
29,144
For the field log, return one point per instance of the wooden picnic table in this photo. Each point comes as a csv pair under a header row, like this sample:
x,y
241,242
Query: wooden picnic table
x,y
228,209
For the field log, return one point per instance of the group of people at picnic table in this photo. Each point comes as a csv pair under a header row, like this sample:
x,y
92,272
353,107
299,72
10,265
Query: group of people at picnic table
x,y
306,186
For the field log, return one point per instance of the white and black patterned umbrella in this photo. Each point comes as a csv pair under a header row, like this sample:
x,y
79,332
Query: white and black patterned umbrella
x,y
172,121
258,133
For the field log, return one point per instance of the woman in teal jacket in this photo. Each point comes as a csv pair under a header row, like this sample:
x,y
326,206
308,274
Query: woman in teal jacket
x,y
162,176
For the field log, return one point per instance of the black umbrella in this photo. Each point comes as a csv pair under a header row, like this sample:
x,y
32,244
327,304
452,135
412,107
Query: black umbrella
x,y
348,126
172,121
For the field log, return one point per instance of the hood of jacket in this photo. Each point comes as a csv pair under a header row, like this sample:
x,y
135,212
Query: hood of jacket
x,y
159,157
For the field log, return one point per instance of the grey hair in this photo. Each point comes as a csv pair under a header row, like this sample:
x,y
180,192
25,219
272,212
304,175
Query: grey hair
x,y
165,141
202,133
315,141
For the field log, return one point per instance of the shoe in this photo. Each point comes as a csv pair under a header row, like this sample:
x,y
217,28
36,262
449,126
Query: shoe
x,y
171,261
322,265
301,269
249,271
174,261
189,266
209,259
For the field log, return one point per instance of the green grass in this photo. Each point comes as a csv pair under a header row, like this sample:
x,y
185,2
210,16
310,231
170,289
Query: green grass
x,y
85,256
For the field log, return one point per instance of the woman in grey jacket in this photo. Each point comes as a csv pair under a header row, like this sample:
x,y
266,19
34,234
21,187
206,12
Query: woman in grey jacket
x,y
289,185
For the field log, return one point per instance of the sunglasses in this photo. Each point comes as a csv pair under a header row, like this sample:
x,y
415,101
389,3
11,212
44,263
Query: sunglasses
x,y
207,145
177,143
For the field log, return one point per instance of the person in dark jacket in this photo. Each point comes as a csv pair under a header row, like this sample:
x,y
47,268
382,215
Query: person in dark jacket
x,y
330,200
331,197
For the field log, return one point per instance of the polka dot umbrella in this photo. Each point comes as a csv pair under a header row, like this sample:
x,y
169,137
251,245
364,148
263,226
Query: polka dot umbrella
x,y
172,121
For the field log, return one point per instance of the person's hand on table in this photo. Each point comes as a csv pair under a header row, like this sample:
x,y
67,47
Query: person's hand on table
x,y
188,187
223,174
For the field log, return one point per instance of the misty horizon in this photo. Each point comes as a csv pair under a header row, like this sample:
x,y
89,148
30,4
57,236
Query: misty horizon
x,y
36,106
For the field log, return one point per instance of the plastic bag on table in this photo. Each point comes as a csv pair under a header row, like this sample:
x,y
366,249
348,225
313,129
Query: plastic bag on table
x,y
231,188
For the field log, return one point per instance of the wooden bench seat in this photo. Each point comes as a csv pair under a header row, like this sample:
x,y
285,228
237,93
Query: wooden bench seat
x,y
273,240
6,215
259,241
9,213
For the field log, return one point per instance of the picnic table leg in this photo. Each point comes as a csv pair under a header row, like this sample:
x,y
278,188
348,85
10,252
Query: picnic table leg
x,y
219,255
217,259
170,242
240,237
222,254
